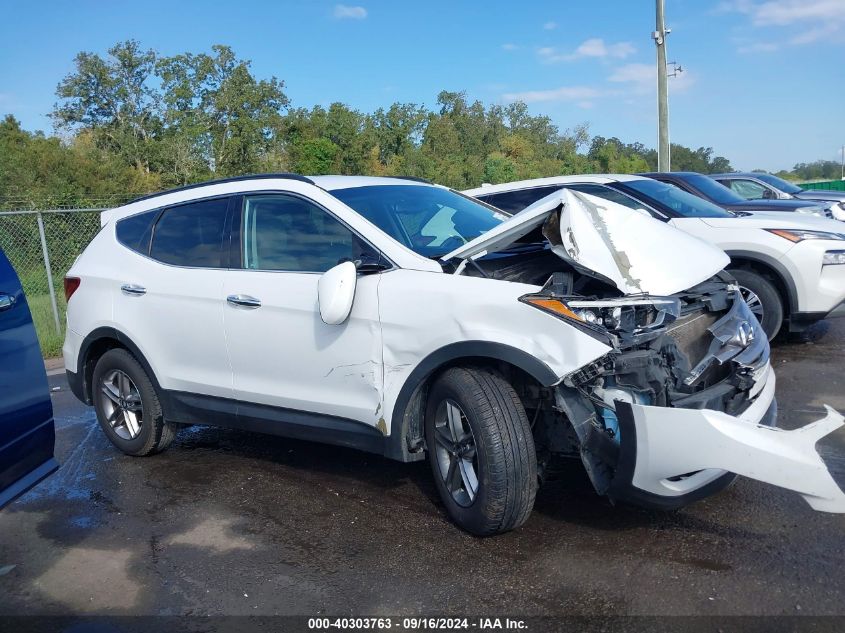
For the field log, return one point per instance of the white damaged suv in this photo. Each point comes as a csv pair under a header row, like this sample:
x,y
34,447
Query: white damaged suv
x,y
405,319
790,267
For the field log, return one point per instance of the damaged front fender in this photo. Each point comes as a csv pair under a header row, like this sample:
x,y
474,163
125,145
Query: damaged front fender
x,y
677,453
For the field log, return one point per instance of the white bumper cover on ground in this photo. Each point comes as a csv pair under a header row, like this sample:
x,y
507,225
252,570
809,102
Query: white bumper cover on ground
x,y
674,442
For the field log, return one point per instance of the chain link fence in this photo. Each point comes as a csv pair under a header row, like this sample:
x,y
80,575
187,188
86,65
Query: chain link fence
x,y
42,245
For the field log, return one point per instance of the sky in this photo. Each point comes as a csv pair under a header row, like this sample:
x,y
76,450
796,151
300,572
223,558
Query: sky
x,y
763,81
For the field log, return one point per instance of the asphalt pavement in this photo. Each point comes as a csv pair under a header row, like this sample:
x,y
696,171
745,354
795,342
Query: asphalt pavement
x,y
227,522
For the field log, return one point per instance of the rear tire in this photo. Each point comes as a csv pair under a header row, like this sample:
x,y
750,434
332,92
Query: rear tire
x,y
761,295
481,450
127,405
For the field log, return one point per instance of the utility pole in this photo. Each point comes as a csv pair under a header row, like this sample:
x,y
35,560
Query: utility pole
x,y
659,35
842,176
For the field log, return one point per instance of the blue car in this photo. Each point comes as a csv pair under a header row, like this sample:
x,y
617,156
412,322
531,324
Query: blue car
x,y
27,432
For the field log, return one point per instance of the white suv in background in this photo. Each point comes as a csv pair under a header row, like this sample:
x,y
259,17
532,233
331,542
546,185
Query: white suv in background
x,y
791,267
404,319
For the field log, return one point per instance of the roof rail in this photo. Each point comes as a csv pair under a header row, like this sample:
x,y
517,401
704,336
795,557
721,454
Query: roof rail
x,y
287,176
413,178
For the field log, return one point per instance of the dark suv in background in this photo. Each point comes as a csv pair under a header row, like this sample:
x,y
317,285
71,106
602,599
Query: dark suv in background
x,y
760,186
707,188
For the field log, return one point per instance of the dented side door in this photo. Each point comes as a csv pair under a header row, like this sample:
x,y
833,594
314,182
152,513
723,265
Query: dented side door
x,y
282,353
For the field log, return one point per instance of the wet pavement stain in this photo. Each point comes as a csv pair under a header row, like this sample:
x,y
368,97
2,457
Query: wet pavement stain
x,y
302,528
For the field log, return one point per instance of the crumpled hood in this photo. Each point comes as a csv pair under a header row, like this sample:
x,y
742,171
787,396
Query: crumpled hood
x,y
632,250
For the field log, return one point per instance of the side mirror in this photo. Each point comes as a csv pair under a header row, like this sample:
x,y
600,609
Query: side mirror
x,y
336,292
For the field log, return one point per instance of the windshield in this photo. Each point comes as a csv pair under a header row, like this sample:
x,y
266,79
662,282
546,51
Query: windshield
x,y
677,200
779,183
429,220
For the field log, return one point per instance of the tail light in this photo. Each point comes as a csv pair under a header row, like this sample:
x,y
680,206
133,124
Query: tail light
x,y
71,284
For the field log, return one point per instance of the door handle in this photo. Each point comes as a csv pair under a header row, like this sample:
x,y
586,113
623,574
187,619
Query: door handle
x,y
133,289
243,301
6,301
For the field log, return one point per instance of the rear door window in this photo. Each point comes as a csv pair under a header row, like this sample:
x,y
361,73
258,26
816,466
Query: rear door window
x,y
191,234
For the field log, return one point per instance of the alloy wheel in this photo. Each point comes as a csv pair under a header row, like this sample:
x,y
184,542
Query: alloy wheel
x,y
121,403
457,457
753,302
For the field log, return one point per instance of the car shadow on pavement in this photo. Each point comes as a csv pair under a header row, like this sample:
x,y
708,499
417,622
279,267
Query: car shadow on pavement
x,y
567,497
813,334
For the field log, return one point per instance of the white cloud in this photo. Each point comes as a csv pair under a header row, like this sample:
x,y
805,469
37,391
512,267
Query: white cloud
x,y
784,12
814,34
550,26
579,94
346,12
758,47
594,47
509,47
549,54
804,14
641,76
642,79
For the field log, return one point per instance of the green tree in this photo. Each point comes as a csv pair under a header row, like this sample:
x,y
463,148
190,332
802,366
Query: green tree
x,y
38,171
114,98
138,120
397,130
817,170
499,168
700,160
216,104
612,156
314,156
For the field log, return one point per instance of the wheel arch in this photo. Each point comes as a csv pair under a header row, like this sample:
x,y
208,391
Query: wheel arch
x,y
97,343
778,274
408,411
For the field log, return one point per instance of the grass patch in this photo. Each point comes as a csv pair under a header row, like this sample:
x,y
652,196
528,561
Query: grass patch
x,y
50,340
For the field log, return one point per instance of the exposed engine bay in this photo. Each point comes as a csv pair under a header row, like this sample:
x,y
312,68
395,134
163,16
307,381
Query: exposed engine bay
x,y
684,398
698,349
694,350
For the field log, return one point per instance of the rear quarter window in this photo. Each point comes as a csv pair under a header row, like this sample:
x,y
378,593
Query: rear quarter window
x,y
135,231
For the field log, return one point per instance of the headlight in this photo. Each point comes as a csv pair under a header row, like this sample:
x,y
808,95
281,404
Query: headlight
x,y
819,211
799,235
833,257
628,315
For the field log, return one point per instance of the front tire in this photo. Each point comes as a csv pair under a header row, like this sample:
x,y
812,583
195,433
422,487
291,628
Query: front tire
x,y
481,450
127,405
763,299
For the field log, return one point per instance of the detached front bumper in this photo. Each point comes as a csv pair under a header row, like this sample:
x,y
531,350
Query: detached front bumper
x,y
671,457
